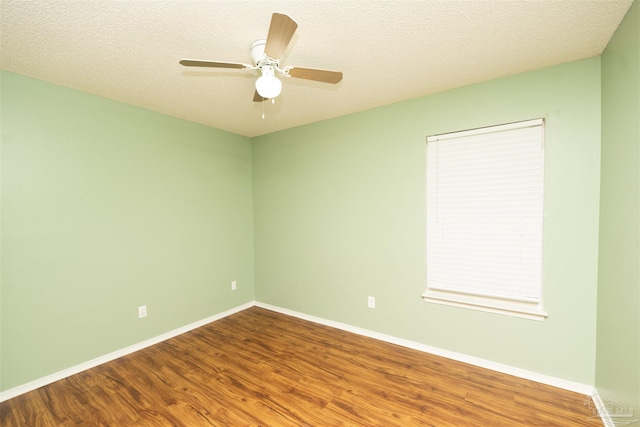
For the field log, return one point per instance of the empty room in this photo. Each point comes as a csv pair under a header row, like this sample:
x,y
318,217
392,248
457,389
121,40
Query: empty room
x,y
320,213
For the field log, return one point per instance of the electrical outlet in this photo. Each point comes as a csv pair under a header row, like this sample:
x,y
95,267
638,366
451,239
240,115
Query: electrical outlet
x,y
234,285
142,311
371,302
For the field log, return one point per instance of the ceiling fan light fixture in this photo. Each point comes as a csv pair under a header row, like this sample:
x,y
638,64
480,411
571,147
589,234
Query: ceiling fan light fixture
x,y
268,85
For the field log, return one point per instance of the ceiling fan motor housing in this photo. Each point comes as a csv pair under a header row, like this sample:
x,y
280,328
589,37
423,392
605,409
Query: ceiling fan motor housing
x,y
257,51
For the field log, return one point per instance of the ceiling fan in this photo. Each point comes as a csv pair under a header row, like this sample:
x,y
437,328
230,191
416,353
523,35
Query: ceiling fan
x,y
266,55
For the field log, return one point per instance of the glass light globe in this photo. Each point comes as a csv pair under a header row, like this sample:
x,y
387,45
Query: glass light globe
x,y
268,86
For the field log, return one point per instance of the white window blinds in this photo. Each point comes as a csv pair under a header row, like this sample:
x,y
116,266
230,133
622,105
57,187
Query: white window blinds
x,y
485,212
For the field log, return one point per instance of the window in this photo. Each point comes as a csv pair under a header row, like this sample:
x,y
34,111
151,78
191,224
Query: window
x,y
485,217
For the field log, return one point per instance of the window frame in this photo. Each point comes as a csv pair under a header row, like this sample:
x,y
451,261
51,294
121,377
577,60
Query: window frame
x,y
510,306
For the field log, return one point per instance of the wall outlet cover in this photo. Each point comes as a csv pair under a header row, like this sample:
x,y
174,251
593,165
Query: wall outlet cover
x,y
371,302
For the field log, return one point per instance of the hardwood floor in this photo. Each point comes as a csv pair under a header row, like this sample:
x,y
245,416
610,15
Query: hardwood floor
x,y
262,368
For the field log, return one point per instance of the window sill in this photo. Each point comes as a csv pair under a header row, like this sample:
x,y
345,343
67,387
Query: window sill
x,y
489,305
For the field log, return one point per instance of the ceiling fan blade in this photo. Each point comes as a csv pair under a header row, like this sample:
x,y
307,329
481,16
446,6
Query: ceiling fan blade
x,y
215,64
258,98
280,32
324,76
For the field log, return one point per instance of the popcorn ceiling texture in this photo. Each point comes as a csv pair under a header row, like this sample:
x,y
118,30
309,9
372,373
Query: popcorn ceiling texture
x,y
389,51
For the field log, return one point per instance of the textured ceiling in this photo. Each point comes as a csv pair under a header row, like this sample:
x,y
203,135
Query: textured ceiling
x,y
389,51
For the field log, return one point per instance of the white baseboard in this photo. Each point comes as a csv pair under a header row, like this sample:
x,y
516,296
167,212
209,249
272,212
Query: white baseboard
x,y
601,409
521,373
30,386
499,367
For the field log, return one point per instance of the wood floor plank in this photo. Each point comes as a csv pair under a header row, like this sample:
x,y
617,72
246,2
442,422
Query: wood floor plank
x,y
261,368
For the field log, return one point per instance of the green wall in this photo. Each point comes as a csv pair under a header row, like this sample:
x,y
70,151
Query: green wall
x,y
618,332
106,207
339,215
